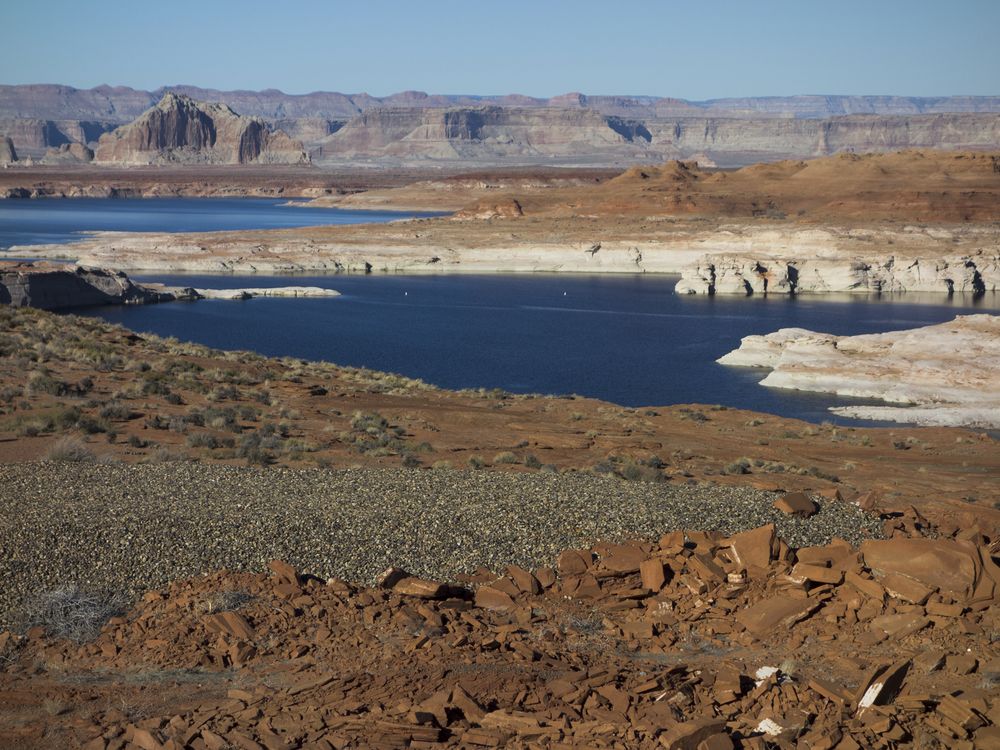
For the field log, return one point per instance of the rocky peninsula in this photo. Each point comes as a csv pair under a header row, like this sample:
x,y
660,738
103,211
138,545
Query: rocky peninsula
x,y
52,286
938,375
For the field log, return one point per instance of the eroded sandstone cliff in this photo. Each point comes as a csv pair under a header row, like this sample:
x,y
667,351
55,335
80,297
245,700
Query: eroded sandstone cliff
x,y
8,155
52,286
414,126
181,130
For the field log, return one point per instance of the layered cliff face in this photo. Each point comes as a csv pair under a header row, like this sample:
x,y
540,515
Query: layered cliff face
x,y
121,104
568,129
8,155
181,130
487,133
68,153
33,136
51,287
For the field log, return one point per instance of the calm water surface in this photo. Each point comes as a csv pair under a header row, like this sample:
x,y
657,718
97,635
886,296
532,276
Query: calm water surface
x,y
37,222
627,339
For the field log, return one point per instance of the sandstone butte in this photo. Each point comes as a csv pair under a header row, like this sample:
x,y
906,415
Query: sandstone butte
x,y
908,221
694,641
179,129
944,374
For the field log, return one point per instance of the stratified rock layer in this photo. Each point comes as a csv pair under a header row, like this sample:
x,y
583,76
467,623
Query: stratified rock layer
x,y
7,153
51,287
179,129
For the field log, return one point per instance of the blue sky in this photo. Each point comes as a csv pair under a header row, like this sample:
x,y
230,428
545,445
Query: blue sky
x,y
693,50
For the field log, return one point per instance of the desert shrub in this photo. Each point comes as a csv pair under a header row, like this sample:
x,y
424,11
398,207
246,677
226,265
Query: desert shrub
x,y
441,465
116,410
371,433
694,416
164,455
155,386
39,382
505,457
203,440
9,393
256,450
476,462
72,612
70,450
411,462
227,601
532,462
92,426
638,472
223,393
739,466
603,467
137,442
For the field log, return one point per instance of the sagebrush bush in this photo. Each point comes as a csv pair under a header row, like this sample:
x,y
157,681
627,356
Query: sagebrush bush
x,y
72,612
71,450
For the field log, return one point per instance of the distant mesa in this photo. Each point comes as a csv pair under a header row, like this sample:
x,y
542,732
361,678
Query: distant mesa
x,y
180,130
417,128
7,153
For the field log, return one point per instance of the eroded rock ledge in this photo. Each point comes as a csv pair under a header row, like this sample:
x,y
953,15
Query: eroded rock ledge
x,y
53,286
976,273
942,375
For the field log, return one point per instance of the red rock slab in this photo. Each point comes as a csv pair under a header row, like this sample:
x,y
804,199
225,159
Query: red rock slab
x,y
815,574
525,581
653,574
488,597
283,572
777,611
419,587
796,504
941,564
689,734
573,562
753,548
624,558
901,587
881,685
231,623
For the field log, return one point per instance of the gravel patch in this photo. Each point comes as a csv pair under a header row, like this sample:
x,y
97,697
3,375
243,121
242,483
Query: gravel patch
x,y
130,528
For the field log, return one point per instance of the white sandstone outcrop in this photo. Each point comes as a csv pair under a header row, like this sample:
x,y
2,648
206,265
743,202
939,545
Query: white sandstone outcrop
x,y
946,374
278,291
722,257
976,272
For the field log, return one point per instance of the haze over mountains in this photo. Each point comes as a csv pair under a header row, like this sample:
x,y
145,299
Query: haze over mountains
x,y
417,128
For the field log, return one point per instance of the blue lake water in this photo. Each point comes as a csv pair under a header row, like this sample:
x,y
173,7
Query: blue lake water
x,y
36,222
627,339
